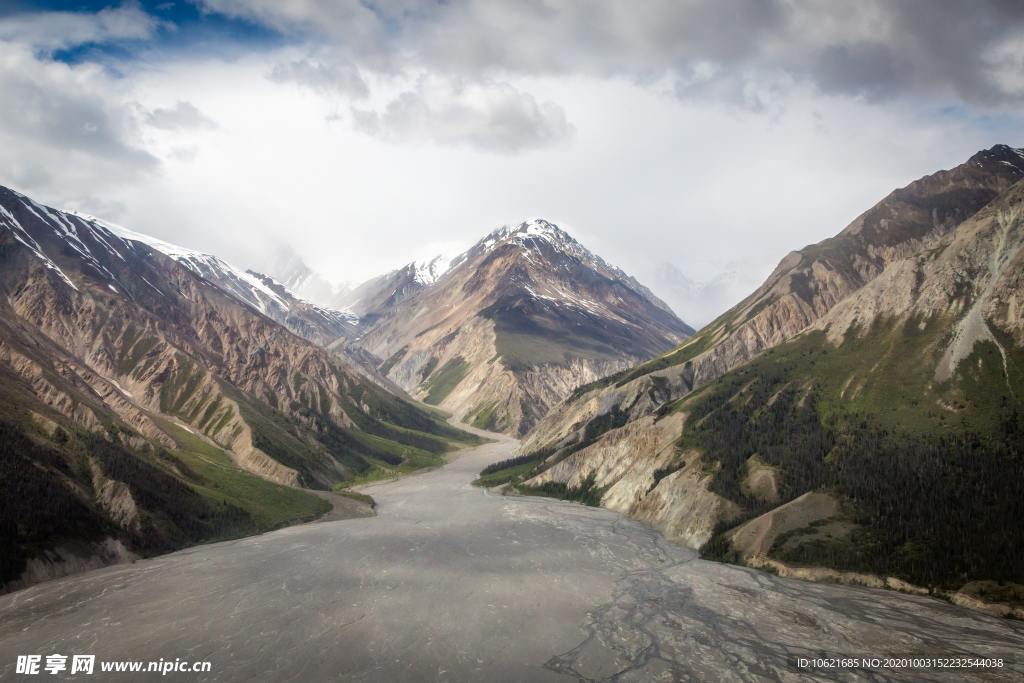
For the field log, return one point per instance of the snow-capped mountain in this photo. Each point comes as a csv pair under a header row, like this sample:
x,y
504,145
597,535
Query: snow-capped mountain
x,y
271,298
531,233
512,325
120,353
429,271
373,298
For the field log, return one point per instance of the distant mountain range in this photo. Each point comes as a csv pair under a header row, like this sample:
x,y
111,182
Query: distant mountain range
x,y
861,411
515,322
273,299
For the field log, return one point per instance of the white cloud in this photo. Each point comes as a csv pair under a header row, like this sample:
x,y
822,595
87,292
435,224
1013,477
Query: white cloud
x,y
67,131
323,72
57,30
657,138
486,115
183,115
648,177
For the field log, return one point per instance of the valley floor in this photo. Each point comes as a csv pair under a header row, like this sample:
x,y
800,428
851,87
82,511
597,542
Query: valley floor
x,y
453,582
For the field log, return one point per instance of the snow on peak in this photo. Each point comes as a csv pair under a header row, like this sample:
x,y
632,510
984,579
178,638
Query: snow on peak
x,y
533,228
282,290
230,278
527,234
428,272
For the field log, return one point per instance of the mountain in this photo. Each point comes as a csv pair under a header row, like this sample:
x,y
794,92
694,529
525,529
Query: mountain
x,y
861,412
375,297
321,326
291,271
804,286
147,401
507,329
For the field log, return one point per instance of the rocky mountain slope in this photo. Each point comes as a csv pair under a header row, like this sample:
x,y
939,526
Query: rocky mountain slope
x,y
141,396
862,411
805,285
513,325
322,326
376,297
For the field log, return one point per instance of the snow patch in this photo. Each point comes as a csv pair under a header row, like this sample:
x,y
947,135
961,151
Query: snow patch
x,y
22,236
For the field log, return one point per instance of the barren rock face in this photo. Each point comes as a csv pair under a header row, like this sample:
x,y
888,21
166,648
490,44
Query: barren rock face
x,y
644,476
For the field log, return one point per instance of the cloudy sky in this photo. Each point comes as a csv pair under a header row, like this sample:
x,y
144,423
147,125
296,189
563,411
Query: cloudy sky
x,y
710,136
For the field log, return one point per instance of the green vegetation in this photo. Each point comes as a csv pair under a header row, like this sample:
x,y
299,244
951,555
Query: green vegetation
x,y
594,429
36,508
428,368
192,494
218,478
388,408
379,470
692,347
392,361
587,493
276,436
445,380
687,351
483,417
523,349
134,349
525,340
176,391
510,475
931,473
512,470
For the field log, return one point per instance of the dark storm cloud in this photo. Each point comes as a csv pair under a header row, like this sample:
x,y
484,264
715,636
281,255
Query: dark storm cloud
x,y
971,51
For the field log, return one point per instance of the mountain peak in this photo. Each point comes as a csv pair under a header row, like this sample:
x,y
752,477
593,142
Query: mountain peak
x,y
427,271
1000,154
533,228
537,234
